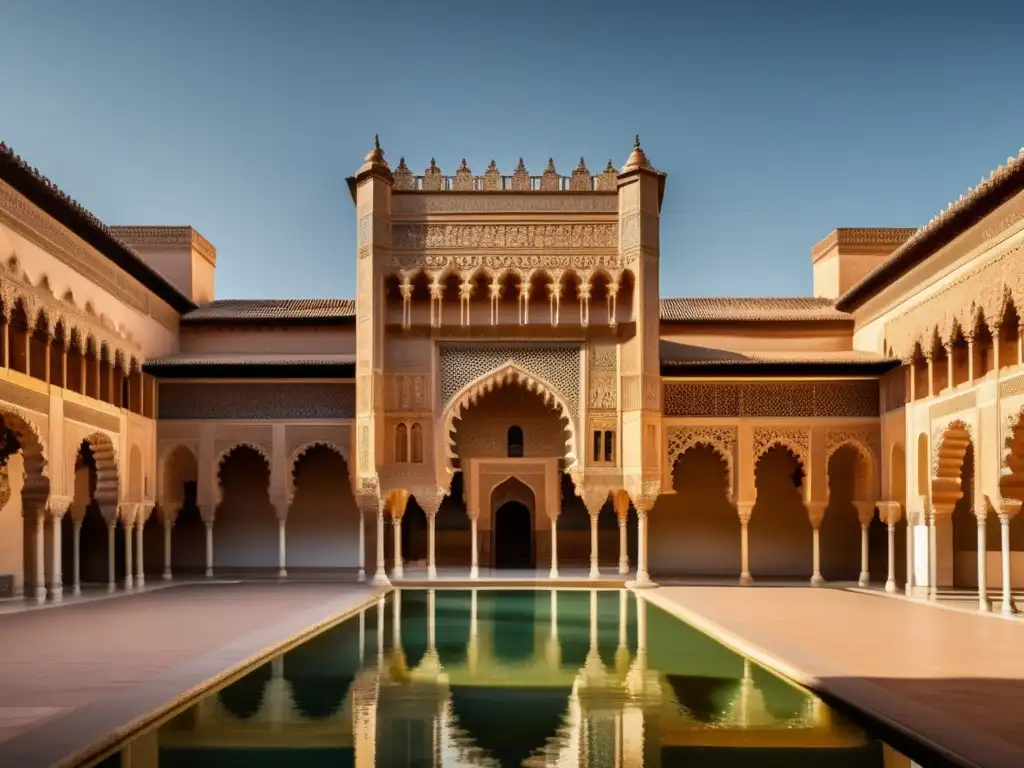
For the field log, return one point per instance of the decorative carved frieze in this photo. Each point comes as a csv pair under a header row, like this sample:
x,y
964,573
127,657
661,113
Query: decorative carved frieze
x,y
558,366
421,237
416,205
256,400
408,392
722,439
796,399
602,378
962,402
1011,387
796,440
864,438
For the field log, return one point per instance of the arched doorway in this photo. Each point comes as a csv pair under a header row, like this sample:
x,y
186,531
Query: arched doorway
x,y
513,536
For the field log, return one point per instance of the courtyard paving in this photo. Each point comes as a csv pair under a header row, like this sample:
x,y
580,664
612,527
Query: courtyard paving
x,y
74,675
950,677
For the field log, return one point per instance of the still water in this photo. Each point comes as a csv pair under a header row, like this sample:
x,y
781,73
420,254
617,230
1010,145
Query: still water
x,y
508,678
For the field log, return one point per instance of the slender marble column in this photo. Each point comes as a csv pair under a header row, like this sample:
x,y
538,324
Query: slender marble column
x,y
865,573
76,557
1008,509
362,546
432,545
111,555
933,551
554,549
129,581
209,547
168,524
474,567
816,514
140,566
57,512
282,548
40,553
643,578
397,571
890,577
623,548
595,572
362,635
745,508
983,602
380,577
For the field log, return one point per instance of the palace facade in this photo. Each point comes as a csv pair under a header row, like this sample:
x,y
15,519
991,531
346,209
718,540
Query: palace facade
x,y
508,389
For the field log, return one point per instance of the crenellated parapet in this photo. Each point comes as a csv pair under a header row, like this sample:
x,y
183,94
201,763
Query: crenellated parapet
x,y
433,179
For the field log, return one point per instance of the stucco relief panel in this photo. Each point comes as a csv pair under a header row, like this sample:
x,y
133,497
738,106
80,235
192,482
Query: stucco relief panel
x,y
257,400
824,399
559,366
796,440
722,439
408,392
602,383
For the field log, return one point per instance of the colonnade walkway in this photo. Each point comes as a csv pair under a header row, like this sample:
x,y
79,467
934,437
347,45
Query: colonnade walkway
x,y
953,678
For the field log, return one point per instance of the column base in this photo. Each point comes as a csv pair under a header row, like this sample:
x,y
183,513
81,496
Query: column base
x,y
76,590
167,576
1009,609
111,587
129,583
380,580
864,579
623,567
40,594
474,572
56,593
209,573
595,572
746,580
397,572
553,573
140,581
431,572
282,574
642,581
817,580
984,606
890,586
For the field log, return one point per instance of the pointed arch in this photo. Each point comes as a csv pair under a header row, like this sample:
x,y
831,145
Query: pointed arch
x,y
33,450
509,373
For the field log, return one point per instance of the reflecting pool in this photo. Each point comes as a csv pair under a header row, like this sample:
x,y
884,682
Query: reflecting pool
x,y
508,678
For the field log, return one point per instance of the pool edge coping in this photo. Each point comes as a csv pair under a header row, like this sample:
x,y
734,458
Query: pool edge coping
x,y
780,666
98,750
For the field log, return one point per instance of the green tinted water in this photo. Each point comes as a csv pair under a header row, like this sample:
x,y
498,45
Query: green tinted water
x,y
508,678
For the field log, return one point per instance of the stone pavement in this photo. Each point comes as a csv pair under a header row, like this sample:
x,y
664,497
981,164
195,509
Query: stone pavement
x,y
77,674
950,678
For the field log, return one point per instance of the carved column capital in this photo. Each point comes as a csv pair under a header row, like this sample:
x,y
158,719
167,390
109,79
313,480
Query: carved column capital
x,y
110,512
59,505
865,511
281,504
889,512
1008,508
429,499
745,509
620,499
816,512
208,512
594,500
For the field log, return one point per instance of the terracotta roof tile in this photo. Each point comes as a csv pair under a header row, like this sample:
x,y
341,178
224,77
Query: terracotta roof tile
x,y
712,309
230,310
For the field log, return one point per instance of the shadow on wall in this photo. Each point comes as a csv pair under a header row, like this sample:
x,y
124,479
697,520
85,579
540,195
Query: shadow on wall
x,y
780,532
323,522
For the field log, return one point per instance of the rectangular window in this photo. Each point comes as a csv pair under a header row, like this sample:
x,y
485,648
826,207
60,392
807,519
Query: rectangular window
x,y
597,446
609,446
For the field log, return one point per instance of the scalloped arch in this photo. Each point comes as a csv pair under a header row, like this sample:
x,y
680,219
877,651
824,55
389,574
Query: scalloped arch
x,y
226,452
720,441
503,375
108,481
33,450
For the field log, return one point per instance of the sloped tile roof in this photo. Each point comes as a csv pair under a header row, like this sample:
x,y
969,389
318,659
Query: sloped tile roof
x,y
247,358
961,214
64,209
231,310
711,309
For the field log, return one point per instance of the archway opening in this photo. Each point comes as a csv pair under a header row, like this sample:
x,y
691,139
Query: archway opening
x,y
698,530
965,527
188,545
414,535
245,524
840,529
322,530
779,529
513,536
93,542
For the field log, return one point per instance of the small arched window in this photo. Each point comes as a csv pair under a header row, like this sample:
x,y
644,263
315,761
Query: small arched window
x,y
515,442
416,444
401,444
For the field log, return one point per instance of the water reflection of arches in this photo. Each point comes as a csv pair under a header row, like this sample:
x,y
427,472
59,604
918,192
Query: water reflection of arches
x,y
350,695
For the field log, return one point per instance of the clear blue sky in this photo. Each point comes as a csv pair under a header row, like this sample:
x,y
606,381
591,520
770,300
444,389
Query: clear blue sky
x,y
776,122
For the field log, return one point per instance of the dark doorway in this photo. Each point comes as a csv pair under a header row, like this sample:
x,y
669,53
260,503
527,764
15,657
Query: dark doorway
x,y
513,536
